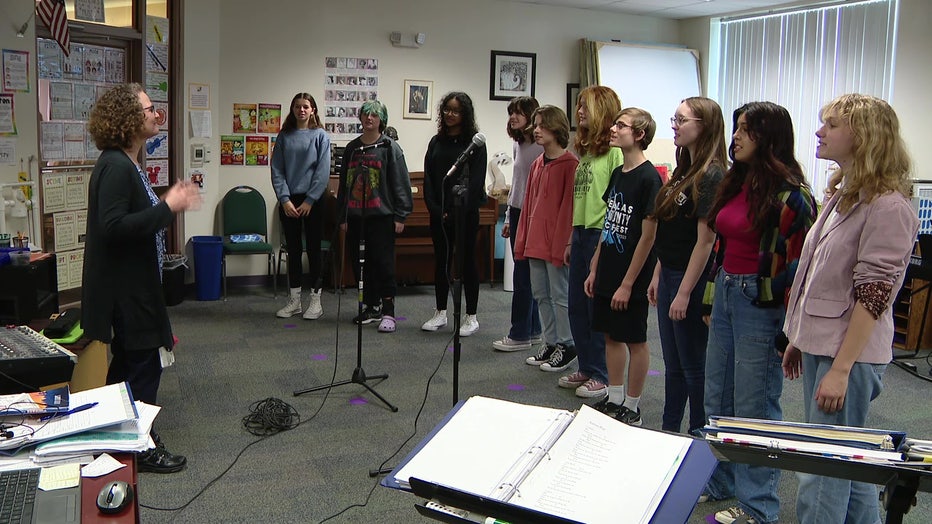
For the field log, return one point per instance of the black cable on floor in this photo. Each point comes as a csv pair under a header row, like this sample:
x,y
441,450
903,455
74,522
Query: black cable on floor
x,y
401,446
269,416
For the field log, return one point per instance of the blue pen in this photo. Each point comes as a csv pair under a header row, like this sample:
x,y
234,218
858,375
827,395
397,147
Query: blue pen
x,y
78,409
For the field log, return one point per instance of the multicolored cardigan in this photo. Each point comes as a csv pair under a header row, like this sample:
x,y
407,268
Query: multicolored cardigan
x,y
780,246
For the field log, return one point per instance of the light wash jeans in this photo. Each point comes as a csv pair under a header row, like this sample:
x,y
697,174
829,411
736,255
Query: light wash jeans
x,y
590,345
828,500
744,378
549,286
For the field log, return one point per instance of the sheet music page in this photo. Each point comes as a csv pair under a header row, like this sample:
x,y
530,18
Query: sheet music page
x,y
602,470
479,444
112,405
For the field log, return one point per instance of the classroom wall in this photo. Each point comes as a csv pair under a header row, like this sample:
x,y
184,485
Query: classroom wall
x,y
911,80
295,40
268,54
14,13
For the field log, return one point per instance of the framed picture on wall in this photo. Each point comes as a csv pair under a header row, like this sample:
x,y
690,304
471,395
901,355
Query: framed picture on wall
x,y
572,93
512,74
419,98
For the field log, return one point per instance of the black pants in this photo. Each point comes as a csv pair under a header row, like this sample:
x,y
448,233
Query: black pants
x,y
140,368
443,235
379,270
313,230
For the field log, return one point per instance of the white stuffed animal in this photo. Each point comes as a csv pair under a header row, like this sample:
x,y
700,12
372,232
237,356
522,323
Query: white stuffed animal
x,y
498,185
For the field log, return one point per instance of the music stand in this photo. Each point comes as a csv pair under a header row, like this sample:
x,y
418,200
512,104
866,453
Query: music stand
x,y
900,484
359,374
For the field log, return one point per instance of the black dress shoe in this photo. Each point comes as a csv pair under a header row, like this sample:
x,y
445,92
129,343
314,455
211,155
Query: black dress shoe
x,y
159,460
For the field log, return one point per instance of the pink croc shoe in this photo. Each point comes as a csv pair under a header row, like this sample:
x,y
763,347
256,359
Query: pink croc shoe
x,y
387,325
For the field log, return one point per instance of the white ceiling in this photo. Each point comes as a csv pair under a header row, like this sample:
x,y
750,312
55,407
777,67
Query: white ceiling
x,y
676,9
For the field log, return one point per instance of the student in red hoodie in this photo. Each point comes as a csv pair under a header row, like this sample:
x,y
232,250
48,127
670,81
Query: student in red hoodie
x,y
546,224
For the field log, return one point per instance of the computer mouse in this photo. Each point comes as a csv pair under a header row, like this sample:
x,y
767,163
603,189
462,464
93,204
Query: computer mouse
x,y
114,496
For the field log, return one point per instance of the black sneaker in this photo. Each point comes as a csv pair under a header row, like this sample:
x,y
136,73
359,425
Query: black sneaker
x,y
543,355
160,460
562,358
631,418
369,314
609,408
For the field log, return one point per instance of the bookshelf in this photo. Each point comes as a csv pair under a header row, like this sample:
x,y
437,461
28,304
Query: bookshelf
x,y
913,309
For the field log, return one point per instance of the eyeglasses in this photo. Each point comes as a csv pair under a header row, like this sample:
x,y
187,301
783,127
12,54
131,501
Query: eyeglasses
x,y
621,125
680,120
150,109
451,112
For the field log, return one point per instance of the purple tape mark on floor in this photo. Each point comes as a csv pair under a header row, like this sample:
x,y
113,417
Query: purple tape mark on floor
x,y
711,519
358,401
653,373
319,356
290,326
515,387
401,319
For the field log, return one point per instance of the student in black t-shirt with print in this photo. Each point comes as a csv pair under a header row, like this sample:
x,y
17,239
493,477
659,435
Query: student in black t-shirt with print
x,y
623,264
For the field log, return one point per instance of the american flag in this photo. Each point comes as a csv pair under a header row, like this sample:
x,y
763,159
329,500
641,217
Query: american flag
x,y
53,15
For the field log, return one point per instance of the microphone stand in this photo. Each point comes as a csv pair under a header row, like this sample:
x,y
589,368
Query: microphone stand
x,y
359,374
460,198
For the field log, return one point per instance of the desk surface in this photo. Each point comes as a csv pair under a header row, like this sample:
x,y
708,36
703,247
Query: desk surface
x,y
90,487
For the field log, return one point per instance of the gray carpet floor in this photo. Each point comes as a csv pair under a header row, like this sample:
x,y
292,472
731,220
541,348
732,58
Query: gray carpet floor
x,y
235,353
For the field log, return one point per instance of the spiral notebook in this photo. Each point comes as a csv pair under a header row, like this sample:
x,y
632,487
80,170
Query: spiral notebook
x,y
561,463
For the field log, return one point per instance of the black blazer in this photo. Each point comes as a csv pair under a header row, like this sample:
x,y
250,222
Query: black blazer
x,y
122,277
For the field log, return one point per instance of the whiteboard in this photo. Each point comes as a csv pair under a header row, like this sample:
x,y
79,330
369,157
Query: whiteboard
x,y
656,79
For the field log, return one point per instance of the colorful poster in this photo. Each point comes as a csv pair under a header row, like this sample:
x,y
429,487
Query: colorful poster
x,y
49,59
85,95
270,118
244,118
161,110
73,64
257,150
7,116
157,171
348,82
156,30
15,71
90,10
231,150
157,146
94,64
61,101
157,58
116,65
197,177
157,86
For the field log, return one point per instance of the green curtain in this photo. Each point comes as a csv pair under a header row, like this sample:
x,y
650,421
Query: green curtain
x,y
588,63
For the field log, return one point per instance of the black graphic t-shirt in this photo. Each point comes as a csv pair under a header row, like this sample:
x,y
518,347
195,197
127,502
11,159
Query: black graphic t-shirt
x,y
629,199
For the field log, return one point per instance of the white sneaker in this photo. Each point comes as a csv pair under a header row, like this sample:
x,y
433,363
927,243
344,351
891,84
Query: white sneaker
x,y
469,326
293,307
313,311
436,322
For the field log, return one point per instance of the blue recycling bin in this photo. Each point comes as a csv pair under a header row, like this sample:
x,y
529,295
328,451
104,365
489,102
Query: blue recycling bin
x,y
208,264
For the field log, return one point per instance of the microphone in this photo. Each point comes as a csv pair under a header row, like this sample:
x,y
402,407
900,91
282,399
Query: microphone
x,y
374,145
478,140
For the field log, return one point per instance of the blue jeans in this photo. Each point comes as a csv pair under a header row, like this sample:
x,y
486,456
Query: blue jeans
x,y
744,378
684,345
525,322
549,285
827,499
590,345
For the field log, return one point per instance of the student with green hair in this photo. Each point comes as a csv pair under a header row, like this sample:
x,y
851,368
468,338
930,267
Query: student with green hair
x,y
374,199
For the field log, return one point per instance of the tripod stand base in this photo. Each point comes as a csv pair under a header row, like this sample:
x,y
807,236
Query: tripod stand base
x,y
359,377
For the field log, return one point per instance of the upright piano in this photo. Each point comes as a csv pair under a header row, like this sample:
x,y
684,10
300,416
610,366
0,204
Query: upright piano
x,y
414,252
